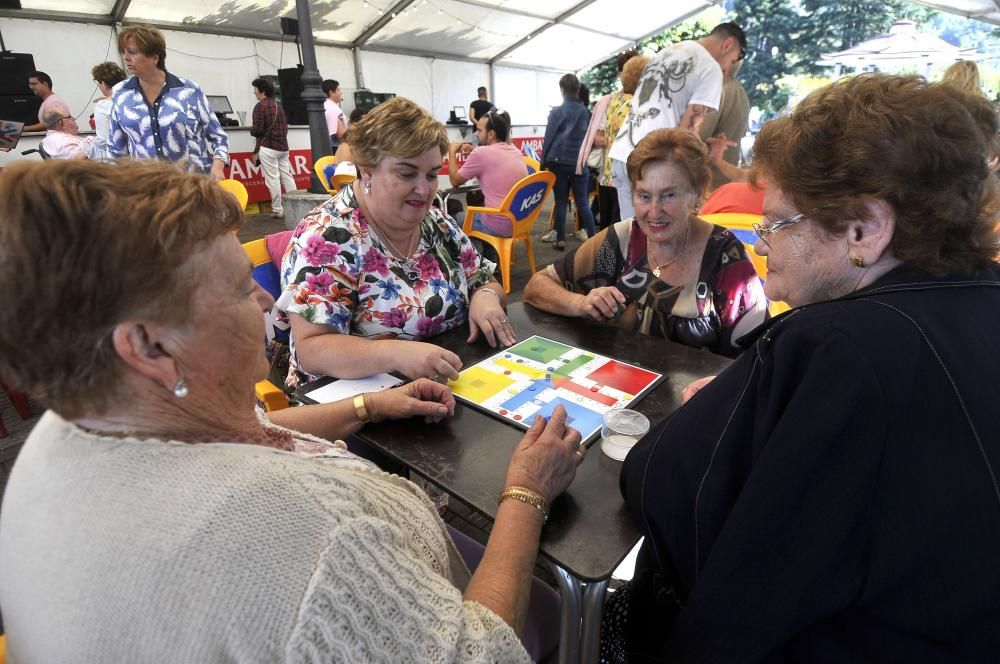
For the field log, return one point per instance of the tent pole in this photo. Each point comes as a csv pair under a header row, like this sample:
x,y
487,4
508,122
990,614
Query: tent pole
x,y
319,134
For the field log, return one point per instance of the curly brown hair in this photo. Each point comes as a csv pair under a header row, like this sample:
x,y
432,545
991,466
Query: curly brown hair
x,y
108,73
679,146
922,148
397,127
85,246
632,73
148,40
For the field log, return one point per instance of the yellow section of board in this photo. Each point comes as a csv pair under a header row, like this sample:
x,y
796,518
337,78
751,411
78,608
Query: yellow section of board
x,y
531,373
478,384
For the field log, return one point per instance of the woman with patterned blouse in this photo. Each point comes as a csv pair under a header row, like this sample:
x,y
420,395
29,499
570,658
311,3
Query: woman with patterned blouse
x,y
375,269
666,271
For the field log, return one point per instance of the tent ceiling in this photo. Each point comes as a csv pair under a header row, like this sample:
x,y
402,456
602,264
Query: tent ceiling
x,y
555,34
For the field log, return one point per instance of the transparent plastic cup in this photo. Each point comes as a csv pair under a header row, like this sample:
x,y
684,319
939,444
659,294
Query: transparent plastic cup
x,y
621,430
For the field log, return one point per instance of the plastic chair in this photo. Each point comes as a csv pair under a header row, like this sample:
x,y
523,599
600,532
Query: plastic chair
x,y
741,225
326,171
236,188
522,206
267,275
532,164
3,648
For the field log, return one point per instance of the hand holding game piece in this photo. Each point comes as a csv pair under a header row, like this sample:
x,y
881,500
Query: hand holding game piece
x,y
423,360
545,460
694,387
601,303
422,397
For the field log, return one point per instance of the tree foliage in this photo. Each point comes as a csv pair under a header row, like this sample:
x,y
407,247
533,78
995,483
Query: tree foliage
x,y
784,38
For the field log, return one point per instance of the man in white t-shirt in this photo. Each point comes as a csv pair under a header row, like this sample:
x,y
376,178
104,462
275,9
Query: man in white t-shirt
x,y
678,87
336,121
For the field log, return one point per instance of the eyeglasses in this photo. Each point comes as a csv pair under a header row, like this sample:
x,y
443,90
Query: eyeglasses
x,y
762,231
65,117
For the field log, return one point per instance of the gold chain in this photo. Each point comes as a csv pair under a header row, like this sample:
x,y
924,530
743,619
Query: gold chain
x,y
657,268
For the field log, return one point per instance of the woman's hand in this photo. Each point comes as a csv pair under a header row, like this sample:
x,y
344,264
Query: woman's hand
x,y
694,387
601,304
421,397
422,360
546,458
487,316
218,169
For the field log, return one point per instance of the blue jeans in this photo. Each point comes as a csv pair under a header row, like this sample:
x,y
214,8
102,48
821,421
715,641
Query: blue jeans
x,y
566,179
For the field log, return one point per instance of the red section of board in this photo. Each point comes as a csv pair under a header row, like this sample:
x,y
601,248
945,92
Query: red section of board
x,y
628,379
567,384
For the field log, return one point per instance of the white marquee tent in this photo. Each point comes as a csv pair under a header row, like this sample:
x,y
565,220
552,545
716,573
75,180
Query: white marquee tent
x,y
434,51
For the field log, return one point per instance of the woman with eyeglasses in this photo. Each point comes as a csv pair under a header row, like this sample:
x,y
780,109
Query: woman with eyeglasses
x,y
665,272
833,495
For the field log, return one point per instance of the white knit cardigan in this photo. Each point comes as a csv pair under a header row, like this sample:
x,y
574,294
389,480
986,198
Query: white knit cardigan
x,y
131,550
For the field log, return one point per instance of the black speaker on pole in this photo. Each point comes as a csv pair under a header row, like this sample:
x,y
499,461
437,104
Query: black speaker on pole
x,y
290,83
289,26
14,70
295,111
20,108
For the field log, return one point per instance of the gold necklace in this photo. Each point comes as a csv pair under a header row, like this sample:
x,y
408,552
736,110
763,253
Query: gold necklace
x,y
657,268
385,236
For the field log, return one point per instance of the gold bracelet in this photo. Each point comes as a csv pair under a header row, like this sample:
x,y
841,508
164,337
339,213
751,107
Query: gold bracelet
x,y
526,496
361,409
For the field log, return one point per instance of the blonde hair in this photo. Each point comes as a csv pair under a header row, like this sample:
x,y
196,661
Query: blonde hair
x,y
397,127
632,72
964,75
84,246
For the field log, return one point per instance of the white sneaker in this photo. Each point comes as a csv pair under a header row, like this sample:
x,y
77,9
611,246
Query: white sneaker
x,y
279,214
581,235
549,237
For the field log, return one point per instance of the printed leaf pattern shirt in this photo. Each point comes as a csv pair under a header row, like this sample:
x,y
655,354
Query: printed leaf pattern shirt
x,y
337,272
177,126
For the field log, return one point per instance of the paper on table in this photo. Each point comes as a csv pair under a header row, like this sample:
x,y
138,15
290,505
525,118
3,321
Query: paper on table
x,y
347,388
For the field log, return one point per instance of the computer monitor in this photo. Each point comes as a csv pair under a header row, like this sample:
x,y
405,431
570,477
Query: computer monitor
x,y
10,132
219,103
460,112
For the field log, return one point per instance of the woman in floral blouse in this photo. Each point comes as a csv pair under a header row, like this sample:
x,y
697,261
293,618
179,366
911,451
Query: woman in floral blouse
x,y
375,269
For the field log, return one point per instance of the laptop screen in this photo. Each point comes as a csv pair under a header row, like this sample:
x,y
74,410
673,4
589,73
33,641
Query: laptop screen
x,y
219,103
460,112
10,133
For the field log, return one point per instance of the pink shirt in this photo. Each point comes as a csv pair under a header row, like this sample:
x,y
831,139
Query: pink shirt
x,y
333,111
498,167
49,102
63,145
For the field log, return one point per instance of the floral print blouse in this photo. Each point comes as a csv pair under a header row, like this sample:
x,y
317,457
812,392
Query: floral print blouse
x,y
338,272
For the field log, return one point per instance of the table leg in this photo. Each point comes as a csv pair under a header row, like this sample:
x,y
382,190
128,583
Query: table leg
x,y
593,608
571,592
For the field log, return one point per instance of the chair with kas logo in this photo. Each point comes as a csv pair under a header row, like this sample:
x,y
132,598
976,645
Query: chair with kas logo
x,y
332,181
522,206
267,274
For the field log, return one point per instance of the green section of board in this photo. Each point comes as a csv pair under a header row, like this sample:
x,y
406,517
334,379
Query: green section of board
x,y
539,349
572,365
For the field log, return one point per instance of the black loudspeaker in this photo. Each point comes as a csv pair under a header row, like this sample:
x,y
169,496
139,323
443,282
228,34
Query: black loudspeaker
x,y
290,83
20,108
289,26
295,111
14,70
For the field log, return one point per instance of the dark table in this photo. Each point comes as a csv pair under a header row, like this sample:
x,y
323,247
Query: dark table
x,y
589,531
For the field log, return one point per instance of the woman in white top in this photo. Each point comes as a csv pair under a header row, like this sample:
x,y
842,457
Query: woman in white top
x,y
107,75
152,516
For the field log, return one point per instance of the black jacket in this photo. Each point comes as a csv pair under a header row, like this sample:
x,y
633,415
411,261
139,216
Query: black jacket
x,y
833,495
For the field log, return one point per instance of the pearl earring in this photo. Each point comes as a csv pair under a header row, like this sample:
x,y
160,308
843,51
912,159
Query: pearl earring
x,y
368,187
180,388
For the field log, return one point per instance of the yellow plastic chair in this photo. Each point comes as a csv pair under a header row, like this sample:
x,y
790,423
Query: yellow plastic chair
x,y
741,226
236,188
3,649
532,164
522,206
326,169
269,395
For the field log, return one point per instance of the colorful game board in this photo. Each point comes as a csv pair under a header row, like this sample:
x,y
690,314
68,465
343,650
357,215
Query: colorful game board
x,y
532,377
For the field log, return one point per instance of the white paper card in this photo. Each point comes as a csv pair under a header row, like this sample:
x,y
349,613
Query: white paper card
x,y
347,388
